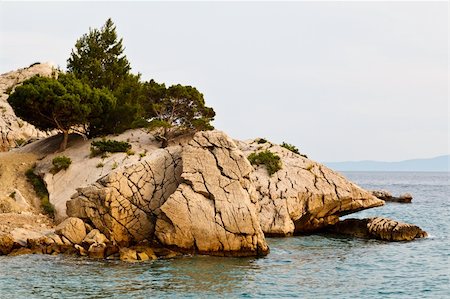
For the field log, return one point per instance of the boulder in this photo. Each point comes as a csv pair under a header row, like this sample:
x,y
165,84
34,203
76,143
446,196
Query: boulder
x,y
97,250
391,230
24,250
137,254
20,200
73,229
213,211
387,196
6,243
304,196
145,252
128,255
95,237
81,250
13,130
123,204
22,235
378,228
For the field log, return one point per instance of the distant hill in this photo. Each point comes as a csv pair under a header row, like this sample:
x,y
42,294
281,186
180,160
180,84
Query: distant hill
x,y
440,163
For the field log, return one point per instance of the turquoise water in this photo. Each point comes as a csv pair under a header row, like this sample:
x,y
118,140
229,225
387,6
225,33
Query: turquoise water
x,y
305,266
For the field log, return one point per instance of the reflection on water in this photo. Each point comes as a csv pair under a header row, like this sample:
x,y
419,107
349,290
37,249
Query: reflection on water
x,y
306,266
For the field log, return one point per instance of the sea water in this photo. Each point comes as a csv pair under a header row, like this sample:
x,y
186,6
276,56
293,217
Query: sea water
x,y
315,266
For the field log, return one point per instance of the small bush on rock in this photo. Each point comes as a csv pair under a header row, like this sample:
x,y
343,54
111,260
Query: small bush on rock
x,y
290,147
41,191
261,141
109,146
293,149
59,163
267,158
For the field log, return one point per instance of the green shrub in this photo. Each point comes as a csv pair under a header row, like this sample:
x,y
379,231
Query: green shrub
x,y
290,147
99,165
59,163
109,146
9,89
267,158
293,149
41,191
261,141
20,142
47,206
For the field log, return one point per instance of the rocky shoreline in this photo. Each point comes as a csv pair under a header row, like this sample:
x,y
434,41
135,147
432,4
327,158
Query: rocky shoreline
x,y
199,195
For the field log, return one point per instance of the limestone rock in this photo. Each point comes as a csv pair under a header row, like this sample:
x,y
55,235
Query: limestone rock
x,y
6,243
123,204
97,250
145,252
378,228
85,170
387,196
22,235
165,253
304,195
128,255
20,200
13,130
381,194
54,238
73,229
95,237
391,230
136,254
213,210
24,250
81,250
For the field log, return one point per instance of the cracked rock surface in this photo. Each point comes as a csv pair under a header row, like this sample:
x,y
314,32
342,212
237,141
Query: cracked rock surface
x,y
304,195
124,204
213,211
13,130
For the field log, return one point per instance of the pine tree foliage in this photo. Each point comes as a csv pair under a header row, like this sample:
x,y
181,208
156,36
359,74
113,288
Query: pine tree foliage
x,y
98,58
176,110
63,103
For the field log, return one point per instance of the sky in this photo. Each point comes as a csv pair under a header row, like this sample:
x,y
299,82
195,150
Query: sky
x,y
340,80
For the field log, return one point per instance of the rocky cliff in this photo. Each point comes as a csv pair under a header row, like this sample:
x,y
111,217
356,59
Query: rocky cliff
x,y
197,198
214,209
198,195
13,130
303,196
204,196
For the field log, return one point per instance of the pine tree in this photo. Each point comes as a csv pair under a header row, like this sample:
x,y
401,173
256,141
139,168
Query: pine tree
x,y
176,110
98,58
63,104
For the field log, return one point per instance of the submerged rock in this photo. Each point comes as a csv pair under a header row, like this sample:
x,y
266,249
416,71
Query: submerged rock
x,y
303,196
387,196
378,228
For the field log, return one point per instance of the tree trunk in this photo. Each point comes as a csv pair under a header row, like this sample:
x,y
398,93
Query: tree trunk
x,y
165,141
63,145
